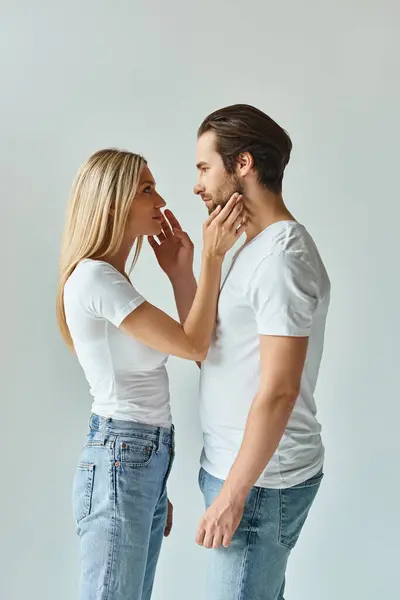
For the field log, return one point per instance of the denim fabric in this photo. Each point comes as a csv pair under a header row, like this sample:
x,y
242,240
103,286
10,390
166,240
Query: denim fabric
x,y
253,567
120,507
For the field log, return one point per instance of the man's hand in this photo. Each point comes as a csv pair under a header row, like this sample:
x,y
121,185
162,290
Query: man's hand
x,y
168,525
175,250
219,522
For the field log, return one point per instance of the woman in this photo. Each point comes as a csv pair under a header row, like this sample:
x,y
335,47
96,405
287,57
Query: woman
x,y
122,343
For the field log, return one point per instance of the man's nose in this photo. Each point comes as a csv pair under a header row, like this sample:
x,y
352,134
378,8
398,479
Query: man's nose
x,y
198,189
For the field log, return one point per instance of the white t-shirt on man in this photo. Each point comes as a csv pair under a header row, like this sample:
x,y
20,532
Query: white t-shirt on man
x,y
128,380
277,285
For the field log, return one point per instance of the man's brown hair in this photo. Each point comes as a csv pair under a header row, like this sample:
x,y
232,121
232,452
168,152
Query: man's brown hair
x,y
242,128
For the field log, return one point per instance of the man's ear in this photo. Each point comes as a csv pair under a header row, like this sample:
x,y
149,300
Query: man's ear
x,y
245,163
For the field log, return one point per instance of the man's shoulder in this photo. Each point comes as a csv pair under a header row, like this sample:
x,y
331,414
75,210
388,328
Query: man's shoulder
x,y
288,240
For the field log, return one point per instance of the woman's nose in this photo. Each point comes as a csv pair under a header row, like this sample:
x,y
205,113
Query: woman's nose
x,y
161,202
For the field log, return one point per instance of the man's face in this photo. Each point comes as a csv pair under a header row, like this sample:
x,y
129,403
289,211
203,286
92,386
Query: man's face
x,y
214,184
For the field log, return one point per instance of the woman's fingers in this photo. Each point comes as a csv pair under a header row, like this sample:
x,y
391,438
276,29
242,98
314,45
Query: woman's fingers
x,y
230,206
237,213
213,215
242,228
152,241
183,236
173,221
166,228
220,215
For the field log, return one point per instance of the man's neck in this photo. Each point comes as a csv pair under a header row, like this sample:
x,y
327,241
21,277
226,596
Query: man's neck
x,y
264,209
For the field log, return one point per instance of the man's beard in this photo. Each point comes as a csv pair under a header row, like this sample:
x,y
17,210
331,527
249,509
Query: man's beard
x,y
230,186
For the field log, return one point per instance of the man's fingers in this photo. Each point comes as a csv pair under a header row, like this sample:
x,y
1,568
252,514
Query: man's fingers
x,y
208,538
173,221
227,539
201,532
218,537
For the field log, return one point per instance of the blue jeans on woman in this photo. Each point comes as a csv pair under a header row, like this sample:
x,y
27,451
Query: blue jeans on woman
x,y
120,507
253,566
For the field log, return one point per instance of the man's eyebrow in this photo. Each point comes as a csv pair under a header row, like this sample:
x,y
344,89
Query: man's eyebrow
x,y
200,164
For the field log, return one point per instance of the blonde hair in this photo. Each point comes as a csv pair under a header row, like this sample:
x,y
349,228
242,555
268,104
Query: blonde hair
x,y
97,214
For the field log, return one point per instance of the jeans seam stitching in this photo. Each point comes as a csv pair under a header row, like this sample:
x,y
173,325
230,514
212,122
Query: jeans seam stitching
x,y
246,553
113,533
280,539
136,465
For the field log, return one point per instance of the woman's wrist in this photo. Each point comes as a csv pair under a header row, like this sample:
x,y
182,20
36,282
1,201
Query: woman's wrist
x,y
212,258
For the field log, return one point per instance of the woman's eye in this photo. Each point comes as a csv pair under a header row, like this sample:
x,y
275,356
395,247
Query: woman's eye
x,y
147,190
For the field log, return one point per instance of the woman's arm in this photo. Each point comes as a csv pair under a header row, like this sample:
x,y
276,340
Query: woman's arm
x,y
174,252
192,339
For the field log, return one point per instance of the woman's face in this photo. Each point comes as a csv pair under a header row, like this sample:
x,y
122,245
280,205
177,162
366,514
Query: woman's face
x,y
145,214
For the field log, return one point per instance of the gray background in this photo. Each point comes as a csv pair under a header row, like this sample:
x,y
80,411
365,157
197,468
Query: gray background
x,y
78,76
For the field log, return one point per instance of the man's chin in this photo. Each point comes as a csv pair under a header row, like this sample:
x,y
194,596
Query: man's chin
x,y
210,206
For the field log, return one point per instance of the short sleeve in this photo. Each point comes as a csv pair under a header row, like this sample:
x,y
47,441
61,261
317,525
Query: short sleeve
x,y
283,295
108,294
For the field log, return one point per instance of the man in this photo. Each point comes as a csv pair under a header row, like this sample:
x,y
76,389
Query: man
x,y
263,455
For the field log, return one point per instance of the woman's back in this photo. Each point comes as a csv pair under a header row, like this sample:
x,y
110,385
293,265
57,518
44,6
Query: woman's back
x,y
128,380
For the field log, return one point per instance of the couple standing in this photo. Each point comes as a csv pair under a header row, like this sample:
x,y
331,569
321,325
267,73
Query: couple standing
x,y
258,333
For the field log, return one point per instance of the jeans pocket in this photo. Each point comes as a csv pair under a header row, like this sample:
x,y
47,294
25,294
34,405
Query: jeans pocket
x,y
83,491
295,503
136,452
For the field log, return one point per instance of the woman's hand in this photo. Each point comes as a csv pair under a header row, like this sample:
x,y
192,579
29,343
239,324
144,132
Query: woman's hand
x,y
174,249
168,524
223,228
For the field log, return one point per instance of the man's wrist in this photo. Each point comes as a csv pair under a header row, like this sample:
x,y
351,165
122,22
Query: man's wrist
x,y
235,493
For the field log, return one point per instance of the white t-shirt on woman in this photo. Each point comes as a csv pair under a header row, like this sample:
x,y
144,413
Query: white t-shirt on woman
x,y
128,380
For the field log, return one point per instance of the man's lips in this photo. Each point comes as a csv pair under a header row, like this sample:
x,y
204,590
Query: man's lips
x,y
207,201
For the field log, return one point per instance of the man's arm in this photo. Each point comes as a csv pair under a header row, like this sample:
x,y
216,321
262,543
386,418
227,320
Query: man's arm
x,y
282,362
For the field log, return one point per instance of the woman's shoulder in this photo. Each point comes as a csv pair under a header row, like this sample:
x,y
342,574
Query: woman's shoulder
x,y
92,270
91,274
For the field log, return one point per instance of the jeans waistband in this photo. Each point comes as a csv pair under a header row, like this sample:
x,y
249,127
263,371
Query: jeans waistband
x,y
109,426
